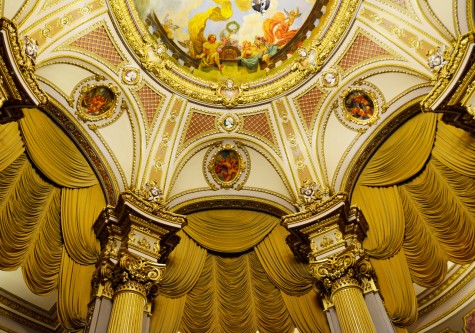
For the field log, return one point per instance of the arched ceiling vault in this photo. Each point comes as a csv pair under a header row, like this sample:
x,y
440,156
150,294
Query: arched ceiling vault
x,y
315,112
303,132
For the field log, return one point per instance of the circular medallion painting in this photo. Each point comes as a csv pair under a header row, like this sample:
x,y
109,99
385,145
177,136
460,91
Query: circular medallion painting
x,y
226,166
360,106
97,102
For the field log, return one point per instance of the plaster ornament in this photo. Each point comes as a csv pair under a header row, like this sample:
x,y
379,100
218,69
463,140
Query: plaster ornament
x,y
436,59
31,48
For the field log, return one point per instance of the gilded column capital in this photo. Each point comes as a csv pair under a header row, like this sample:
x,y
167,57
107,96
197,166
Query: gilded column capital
x,y
140,223
135,274
102,278
350,268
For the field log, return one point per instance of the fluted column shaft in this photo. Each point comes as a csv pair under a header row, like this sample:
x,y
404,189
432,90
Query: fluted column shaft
x,y
136,279
353,314
127,312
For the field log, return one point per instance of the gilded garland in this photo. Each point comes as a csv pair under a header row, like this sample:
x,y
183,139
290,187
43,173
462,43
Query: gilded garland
x,y
305,62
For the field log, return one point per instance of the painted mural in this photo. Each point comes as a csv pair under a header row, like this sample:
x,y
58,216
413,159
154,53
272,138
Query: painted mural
x,y
225,38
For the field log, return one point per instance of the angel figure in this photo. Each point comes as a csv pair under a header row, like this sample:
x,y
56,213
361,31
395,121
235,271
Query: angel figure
x,y
169,27
277,29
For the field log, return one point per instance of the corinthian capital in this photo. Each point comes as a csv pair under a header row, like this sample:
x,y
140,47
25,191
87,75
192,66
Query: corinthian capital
x,y
136,274
348,268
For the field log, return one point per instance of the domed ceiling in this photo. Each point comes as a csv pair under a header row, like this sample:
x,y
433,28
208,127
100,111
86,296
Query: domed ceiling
x,y
225,52
247,45
322,85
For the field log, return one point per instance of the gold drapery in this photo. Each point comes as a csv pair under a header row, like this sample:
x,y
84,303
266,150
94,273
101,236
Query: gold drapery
x,y
167,313
11,146
403,154
54,153
46,216
396,288
227,292
177,281
289,275
79,237
74,290
306,312
455,148
221,231
417,195
386,226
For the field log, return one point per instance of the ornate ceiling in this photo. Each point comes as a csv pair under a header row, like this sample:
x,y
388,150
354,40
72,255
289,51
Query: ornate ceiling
x,y
131,87
294,123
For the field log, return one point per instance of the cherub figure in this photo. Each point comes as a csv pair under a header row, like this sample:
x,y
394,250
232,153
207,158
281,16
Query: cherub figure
x,y
169,27
277,29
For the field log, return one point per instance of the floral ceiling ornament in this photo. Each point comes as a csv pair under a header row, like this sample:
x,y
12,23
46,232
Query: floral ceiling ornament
x,y
437,59
311,192
153,192
30,48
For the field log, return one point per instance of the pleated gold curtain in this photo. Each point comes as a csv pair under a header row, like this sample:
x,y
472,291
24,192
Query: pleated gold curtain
x,y
233,272
417,195
49,200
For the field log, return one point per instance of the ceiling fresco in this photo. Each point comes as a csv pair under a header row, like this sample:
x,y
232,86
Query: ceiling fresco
x,y
297,99
227,39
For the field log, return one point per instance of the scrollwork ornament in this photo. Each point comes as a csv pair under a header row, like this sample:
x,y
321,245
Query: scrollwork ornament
x,y
102,278
342,270
443,76
22,60
137,274
229,93
308,60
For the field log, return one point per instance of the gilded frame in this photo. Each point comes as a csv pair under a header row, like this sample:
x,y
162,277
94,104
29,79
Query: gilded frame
x,y
323,40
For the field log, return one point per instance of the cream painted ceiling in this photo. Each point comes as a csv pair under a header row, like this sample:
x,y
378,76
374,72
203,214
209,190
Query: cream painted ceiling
x,y
159,134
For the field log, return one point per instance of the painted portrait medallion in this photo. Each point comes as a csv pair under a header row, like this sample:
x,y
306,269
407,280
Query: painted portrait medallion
x,y
224,165
97,102
360,106
227,165
229,122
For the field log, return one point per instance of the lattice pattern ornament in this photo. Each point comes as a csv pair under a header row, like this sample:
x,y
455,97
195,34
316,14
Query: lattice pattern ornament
x,y
361,50
99,43
258,124
308,105
199,124
151,102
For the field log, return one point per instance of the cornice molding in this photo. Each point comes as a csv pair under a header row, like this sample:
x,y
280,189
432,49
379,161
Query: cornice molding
x,y
28,314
